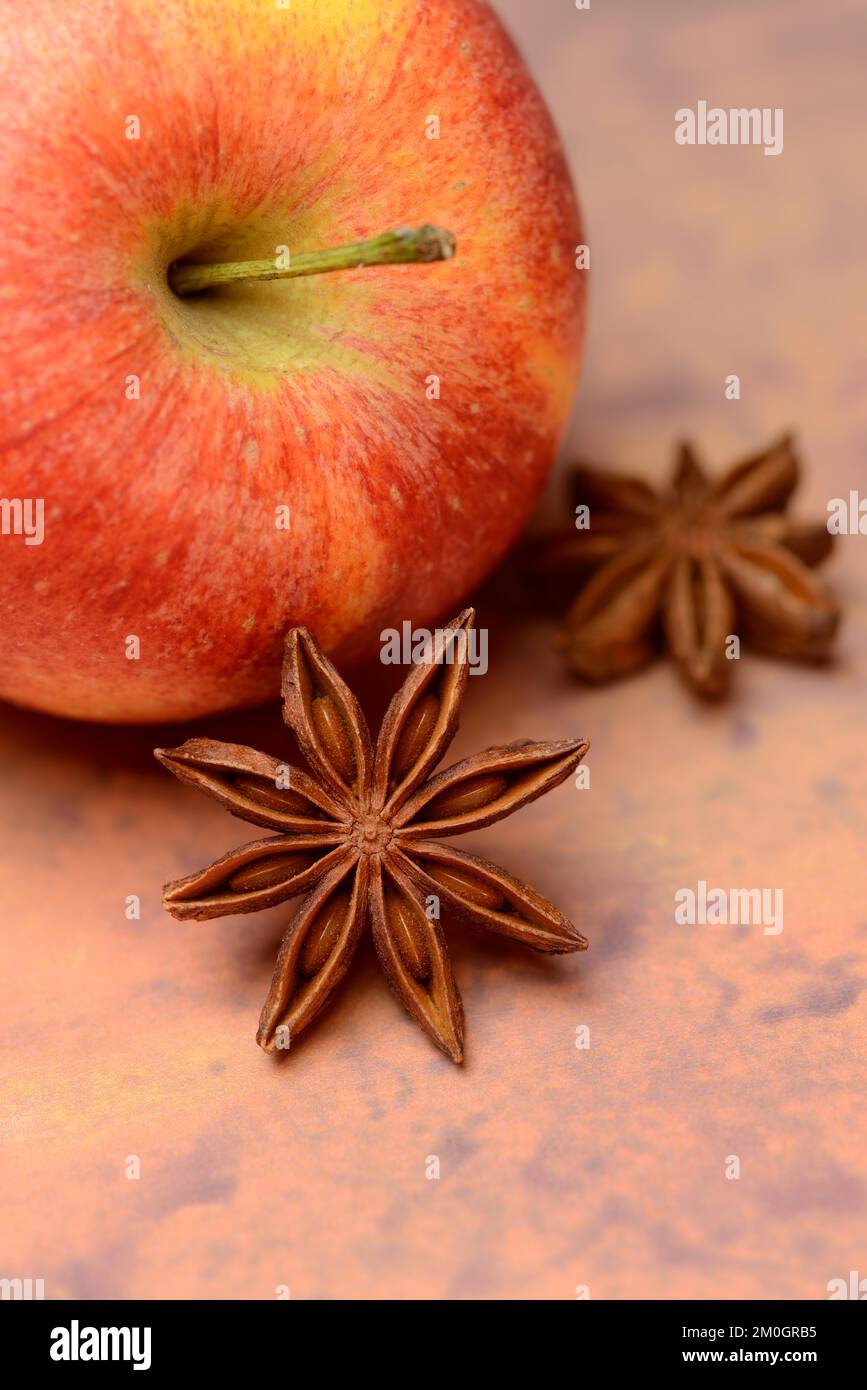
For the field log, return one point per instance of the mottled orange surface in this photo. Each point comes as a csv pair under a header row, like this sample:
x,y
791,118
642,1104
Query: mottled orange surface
x,y
559,1167
262,127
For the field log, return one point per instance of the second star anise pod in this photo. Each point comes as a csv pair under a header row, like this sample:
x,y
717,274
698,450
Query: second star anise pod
x,y
359,834
689,567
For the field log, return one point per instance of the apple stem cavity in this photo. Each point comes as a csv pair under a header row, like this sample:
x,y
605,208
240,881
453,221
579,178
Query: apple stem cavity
x,y
400,247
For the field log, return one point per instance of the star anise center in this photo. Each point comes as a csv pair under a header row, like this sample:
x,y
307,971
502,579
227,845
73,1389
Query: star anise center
x,y
696,531
371,833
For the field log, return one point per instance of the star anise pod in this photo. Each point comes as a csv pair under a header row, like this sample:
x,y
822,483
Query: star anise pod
x,y
688,568
358,836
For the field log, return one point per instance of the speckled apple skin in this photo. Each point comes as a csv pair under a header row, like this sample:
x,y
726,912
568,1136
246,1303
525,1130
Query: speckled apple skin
x,y
290,458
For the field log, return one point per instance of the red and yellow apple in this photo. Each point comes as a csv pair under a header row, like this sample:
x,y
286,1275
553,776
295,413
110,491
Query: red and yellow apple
x,y
342,451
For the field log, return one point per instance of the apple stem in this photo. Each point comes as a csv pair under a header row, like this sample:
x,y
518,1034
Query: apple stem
x,y
400,247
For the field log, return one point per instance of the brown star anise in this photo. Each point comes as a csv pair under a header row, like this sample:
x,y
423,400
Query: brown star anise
x,y
359,837
689,568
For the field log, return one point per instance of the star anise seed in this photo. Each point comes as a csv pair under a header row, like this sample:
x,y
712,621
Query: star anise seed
x,y
688,568
358,836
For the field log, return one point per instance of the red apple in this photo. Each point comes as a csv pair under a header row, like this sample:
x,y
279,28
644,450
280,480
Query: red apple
x,y
341,451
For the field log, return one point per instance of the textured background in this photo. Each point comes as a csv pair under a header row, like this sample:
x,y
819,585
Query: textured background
x,y
559,1167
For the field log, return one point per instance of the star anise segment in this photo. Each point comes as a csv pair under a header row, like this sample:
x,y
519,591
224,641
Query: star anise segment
x,y
486,896
326,719
485,788
316,951
261,874
354,837
256,787
422,718
688,568
412,952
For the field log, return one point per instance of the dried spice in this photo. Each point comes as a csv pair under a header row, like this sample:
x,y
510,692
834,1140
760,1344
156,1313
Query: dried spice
x,y
358,835
688,568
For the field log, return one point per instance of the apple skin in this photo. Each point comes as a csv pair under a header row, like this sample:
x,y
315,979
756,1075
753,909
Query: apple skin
x,y
262,127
